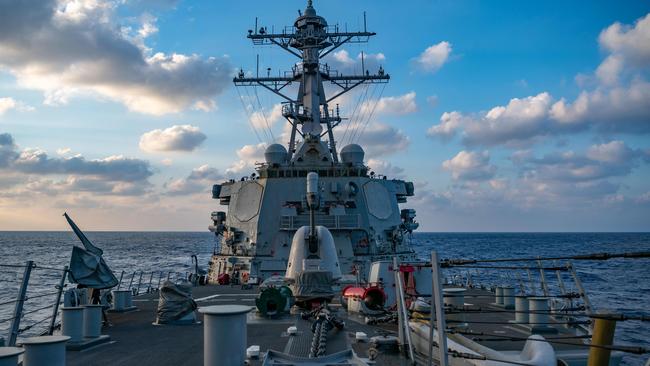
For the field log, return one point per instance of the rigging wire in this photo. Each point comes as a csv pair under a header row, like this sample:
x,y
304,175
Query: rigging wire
x,y
354,112
372,112
266,121
364,112
248,116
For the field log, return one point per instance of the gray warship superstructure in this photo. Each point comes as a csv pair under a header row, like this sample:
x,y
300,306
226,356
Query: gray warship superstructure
x,y
265,209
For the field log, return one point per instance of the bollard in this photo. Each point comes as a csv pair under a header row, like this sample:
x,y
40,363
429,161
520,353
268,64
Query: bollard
x,y
128,299
521,309
9,355
498,298
46,350
508,293
603,335
538,307
92,321
455,297
121,300
221,347
72,323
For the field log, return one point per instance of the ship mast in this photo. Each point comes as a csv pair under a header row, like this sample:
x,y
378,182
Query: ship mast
x,y
310,39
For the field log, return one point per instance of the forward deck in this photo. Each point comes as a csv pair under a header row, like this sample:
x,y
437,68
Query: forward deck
x,y
135,340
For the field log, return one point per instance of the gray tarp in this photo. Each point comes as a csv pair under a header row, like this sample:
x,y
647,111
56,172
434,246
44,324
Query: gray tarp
x,y
90,270
175,301
314,284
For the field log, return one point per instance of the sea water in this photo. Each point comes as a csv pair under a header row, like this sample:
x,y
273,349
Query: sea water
x,y
620,285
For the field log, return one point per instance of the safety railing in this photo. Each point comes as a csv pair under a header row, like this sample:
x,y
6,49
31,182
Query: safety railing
x,y
537,279
29,299
31,295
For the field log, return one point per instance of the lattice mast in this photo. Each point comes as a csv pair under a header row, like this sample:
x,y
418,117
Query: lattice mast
x,y
310,39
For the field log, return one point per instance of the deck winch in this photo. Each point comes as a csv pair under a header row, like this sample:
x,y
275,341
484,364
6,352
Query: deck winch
x,y
373,297
273,300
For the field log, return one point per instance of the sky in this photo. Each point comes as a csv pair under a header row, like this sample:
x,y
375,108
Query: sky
x,y
506,115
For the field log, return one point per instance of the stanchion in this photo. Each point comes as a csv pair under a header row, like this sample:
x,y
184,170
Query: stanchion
x,y
224,334
46,350
603,335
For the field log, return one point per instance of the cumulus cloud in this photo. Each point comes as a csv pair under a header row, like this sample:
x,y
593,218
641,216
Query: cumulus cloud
x,y
38,162
632,42
175,138
470,166
248,156
386,169
263,119
434,57
199,180
75,47
6,104
379,139
341,61
399,105
612,159
617,103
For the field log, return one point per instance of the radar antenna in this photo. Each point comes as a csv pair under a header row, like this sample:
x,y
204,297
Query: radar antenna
x,y
310,39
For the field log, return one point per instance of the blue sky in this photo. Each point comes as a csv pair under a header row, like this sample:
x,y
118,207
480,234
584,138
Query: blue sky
x,y
508,116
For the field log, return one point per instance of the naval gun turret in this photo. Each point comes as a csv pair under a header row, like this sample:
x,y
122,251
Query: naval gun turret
x,y
313,263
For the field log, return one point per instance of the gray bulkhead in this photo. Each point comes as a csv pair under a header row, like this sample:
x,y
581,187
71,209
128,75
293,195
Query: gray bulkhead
x,y
263,214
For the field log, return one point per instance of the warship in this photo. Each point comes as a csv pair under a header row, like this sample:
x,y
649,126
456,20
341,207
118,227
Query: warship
x,y
316,267
266,208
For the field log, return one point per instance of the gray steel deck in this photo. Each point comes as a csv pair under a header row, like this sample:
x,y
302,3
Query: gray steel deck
x,y
136,341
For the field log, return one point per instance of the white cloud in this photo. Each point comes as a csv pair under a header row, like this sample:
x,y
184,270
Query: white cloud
x,y
69,48
617,101
379,139
200,179
470,166
6,104
612,159
386,169
267,119
633,42
342,62
38,162
399,105
434,57
175,138
609,70
248,156
63,151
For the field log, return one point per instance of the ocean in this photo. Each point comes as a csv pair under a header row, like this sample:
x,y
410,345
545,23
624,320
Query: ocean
x,y
620,285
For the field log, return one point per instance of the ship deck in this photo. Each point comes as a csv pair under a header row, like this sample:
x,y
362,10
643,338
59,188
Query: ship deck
x,y
135,340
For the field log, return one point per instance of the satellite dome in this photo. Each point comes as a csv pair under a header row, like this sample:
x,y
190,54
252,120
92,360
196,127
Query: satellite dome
x,y
275,154
352,154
